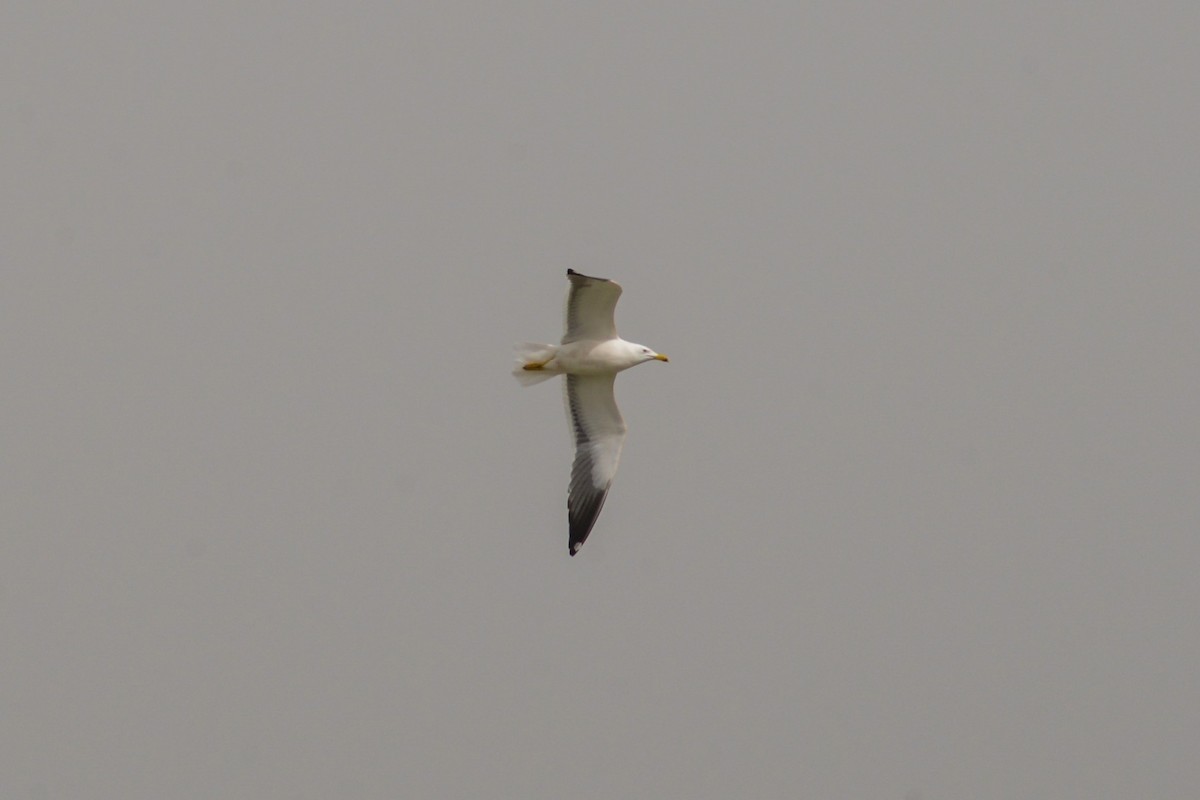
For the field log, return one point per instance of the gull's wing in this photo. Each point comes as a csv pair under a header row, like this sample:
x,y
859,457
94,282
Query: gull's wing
x,y
590,306
599,434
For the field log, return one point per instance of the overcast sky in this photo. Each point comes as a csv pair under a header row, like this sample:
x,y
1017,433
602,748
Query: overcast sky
x,y
912,512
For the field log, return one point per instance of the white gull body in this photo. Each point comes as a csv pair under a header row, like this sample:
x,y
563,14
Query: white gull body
x,y
590,355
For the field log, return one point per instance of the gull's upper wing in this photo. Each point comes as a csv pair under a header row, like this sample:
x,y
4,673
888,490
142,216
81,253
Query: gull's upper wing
x,y
599,434
590,306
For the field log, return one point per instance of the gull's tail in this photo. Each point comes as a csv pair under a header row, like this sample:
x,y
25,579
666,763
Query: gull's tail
x,y
531,356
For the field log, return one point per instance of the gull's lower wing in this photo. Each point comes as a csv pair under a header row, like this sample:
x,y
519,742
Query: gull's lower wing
x,y
599,434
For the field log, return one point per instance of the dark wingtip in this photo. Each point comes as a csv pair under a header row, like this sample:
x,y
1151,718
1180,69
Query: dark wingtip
x,y
573,273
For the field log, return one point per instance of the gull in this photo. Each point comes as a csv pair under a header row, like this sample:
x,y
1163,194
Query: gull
x,y
590,355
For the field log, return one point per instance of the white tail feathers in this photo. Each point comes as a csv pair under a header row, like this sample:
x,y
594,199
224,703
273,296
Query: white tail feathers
x,y
533,353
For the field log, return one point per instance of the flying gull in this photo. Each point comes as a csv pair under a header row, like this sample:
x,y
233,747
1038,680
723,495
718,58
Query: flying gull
x,y
590,355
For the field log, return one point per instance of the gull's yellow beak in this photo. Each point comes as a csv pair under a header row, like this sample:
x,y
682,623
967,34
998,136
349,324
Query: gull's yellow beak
x,y
661,357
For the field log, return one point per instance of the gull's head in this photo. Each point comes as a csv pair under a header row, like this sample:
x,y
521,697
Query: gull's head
x,y
649,355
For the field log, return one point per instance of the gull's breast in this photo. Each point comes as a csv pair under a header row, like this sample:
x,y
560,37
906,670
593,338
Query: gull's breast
x,y
593,357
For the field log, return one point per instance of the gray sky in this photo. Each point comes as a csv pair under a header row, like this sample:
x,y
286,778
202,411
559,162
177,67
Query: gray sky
x,y
912,512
